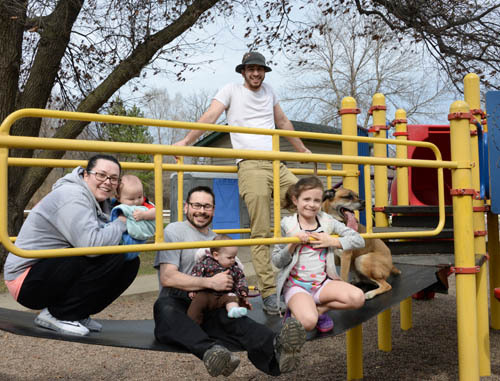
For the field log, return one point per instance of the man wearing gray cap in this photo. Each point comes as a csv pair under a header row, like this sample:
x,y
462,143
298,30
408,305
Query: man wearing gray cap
x,y
254,104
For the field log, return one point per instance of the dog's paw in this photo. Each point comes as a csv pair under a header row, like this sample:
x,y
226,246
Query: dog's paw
x,y
370,295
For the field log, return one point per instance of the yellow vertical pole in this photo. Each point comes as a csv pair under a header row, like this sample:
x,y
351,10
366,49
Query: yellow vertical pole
x,y
158,171
405,307
349,127
494,252
329,178
472,97
379,130
180,190
368,203
401,134
462,192
4,168
276,188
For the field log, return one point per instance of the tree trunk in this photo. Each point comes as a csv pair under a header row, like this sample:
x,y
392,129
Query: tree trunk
x,y
38,87
12,16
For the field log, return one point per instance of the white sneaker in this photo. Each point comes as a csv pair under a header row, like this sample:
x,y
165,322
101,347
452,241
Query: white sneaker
x,y
91,324
46,320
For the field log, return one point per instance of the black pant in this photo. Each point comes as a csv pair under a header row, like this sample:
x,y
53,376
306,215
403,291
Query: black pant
x,y
73,288
173,326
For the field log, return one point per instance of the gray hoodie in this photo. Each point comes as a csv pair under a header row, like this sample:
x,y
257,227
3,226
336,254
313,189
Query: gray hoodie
x,y
69,216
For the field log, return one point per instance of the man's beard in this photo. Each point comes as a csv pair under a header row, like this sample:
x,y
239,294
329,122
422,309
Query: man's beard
x,y
252,87
190,218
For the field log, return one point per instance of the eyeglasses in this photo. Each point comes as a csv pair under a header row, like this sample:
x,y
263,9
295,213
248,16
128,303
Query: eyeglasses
x,y
198,206
99,176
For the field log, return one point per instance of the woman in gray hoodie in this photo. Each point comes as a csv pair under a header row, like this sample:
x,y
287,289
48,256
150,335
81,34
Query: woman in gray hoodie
x,y
75,213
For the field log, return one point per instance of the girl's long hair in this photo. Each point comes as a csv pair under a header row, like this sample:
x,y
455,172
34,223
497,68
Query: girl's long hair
x,y
300,186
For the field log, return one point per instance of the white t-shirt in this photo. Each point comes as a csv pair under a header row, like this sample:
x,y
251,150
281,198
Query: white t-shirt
x,y
247,108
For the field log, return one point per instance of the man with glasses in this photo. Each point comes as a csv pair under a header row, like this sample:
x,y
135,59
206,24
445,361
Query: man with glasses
x,y
254,104
69,290
102,177
270,353
197,206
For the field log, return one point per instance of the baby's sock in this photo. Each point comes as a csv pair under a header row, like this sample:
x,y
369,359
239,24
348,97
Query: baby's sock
x,y
237,312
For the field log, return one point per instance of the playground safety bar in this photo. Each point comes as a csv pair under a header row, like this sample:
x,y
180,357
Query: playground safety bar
x,y
158,151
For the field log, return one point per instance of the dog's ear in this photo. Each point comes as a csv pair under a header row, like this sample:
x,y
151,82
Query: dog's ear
x,y
329,194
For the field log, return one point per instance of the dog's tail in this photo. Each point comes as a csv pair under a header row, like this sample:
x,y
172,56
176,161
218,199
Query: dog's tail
x,y
395,270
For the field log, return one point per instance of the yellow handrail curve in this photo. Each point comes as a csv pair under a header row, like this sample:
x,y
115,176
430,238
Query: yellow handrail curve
x,y
157,150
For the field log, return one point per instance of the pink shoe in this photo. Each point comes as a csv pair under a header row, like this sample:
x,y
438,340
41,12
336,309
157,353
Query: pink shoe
x,y
325,323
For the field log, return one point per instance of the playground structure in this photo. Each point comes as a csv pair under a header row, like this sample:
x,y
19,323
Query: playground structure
x,y
468,208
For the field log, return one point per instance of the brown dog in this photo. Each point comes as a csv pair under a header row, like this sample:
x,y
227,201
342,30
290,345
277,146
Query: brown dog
x,y
374,261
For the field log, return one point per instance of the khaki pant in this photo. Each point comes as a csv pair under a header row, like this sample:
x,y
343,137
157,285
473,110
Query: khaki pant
x,y
255,182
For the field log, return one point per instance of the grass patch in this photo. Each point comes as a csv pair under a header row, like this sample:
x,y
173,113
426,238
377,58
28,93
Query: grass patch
x,y
147,262
3,287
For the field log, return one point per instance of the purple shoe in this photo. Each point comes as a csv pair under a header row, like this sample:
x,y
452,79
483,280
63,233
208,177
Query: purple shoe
x,y
325,323
288,314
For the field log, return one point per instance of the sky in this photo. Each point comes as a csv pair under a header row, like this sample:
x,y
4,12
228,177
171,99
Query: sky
x,y
211,76
214,75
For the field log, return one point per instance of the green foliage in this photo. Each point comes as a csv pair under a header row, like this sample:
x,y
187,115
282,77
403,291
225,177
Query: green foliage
x,y
131,134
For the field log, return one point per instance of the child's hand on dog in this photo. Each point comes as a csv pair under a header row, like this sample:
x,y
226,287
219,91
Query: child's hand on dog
x,y
325,240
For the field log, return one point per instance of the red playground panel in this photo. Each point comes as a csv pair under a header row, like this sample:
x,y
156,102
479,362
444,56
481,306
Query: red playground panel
x,y
497,293
422,182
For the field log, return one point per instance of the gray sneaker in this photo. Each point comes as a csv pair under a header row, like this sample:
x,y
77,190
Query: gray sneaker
x,y
218,360
91,324
231,366
288,344
270,305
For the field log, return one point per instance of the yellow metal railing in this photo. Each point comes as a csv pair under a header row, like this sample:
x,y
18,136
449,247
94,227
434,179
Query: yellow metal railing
x,y
158,151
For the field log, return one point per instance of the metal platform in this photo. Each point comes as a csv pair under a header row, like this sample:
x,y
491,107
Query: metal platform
x,y
138,334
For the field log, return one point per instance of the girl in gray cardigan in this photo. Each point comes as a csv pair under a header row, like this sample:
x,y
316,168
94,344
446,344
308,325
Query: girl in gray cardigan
x,y
307,276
